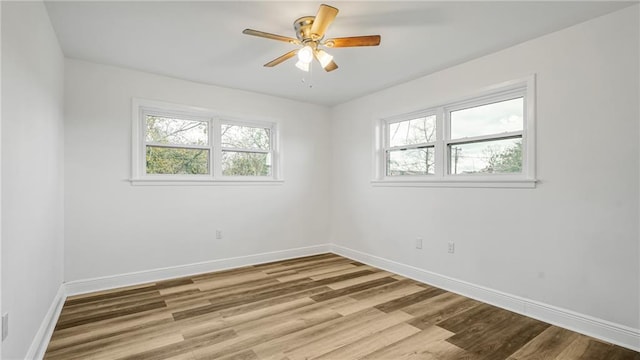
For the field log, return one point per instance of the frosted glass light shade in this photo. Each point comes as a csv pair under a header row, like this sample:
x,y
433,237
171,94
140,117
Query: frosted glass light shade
x,y
324,58
305,54
304,66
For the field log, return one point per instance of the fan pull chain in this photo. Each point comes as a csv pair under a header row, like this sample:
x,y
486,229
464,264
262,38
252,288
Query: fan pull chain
x,y
309,83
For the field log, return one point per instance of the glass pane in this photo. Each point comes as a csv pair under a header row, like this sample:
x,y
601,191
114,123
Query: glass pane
x,y
410,162
246,164
245,137
411,132
496,118
165,160
494,156
165,130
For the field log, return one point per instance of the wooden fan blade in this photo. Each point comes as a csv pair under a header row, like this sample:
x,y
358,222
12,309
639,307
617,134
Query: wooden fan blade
x,y
282,58
332,66
325,16
368,40
266,35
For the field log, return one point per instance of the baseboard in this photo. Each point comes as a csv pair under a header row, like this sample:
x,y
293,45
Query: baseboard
x,y
141,277
41,340
584,324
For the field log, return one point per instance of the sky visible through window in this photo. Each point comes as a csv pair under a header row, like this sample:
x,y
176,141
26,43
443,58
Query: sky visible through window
x,y
496,118
493,156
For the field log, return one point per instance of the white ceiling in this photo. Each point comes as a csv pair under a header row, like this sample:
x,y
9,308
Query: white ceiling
x,y
203,41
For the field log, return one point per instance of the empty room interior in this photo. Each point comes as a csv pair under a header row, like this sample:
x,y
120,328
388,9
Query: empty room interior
x,y
304,180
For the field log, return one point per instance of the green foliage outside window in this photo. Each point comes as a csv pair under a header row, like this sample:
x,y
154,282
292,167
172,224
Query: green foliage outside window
x,y
183,161
508,160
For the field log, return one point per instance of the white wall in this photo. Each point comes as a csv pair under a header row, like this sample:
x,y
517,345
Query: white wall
x,y
32,171
0,173
113,227
573,241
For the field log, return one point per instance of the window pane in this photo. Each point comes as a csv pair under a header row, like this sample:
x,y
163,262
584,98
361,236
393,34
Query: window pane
x,y
166,160
245,137
411,132
165,130
495,156
410,162
245,164
496,118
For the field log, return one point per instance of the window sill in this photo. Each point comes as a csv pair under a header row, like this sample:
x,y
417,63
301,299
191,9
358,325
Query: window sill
x,y
205,182
458,183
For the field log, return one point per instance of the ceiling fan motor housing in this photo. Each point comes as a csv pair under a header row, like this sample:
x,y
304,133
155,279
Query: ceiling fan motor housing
x,y
303,29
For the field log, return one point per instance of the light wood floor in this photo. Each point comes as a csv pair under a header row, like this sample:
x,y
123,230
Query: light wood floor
x,y
318,307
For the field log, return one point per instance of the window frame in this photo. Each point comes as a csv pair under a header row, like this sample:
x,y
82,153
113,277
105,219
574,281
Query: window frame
x,y
443,178
214,119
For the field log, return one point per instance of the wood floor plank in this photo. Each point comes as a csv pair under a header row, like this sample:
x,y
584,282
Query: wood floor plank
x,y
111,325
273,301
405,301
585,348
353,289
416,346
486,335
368,344
438,308
252,337
280,345
94,337
104,295
319,271
318,346
379,298
481,316
76,321
318,307
97,305
202,327
548,345
186,346
352,268
359,280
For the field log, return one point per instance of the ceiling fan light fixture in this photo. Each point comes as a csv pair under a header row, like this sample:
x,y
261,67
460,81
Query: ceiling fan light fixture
x,y
324,58
304,66
305,54
310,32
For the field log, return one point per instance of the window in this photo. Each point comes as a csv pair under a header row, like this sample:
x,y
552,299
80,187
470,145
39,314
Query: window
x,y
410,149
174,143
246,150
486,140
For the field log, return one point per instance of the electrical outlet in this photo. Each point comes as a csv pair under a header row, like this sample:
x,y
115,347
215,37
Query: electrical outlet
x,y
5,325
218,234
452,247
419,243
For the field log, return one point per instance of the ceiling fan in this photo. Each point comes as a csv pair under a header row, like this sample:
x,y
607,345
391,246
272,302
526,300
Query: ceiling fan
x,y
310,34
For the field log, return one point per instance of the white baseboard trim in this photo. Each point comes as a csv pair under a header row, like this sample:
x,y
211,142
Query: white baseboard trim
x,y
41,340
146,276
584,324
